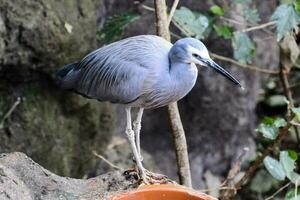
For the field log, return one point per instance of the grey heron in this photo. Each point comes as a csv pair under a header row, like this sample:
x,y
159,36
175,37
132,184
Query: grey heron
x,y
141,72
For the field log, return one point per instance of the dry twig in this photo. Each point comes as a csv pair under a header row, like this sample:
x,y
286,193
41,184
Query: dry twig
x,y
144,6
260,26
10,111
236,168
284,72
173,9
278,191
107,161
233,172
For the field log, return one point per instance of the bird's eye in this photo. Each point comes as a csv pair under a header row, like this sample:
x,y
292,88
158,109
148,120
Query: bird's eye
x,y
195,55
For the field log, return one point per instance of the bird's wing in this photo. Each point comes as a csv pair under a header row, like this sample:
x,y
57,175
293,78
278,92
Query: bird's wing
x,y
118,72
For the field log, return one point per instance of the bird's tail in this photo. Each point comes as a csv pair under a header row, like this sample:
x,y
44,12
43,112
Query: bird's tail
x,y
65,77
61,73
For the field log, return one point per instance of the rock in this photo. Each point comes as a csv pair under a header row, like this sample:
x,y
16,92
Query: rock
x,y
119,153
22,178
41,35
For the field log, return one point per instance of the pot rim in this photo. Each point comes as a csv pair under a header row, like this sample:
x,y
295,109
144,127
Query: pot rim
x,y
165,188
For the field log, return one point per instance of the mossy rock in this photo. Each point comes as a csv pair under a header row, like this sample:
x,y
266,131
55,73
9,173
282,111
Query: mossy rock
x,y
42,35
58,130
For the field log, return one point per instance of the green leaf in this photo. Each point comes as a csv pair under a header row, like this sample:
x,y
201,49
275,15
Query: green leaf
x,y
296,111
286,18
267,131
293,154
262,182
268,120
297,5
276,100
217,10
244,48
224,31
279,122
251,15
190,23
269,127
290,195
287,162
274,168
113,28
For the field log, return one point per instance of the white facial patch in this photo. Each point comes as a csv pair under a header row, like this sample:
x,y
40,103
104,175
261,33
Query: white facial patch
x,y
202,53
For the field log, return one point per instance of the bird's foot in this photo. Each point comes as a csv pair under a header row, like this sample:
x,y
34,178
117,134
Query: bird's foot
x,y
155,178
149,177
141,158
138,175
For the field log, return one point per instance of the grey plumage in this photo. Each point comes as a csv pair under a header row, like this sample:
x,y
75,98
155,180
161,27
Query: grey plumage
x,y
133,70
143,71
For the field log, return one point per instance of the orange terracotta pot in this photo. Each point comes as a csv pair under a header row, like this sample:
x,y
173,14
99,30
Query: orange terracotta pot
x,y
163,192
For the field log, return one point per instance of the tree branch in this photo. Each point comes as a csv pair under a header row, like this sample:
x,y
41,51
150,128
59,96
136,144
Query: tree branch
x,y
261,26
246,66
173,9
107,161
10,111
174,116
278,191
284,72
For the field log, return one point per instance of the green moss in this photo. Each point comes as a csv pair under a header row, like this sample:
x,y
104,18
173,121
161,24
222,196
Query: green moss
x,y
52,134
59,130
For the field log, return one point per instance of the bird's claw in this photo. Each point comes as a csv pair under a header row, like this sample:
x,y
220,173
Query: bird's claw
x,y
137,175
147,177
155,178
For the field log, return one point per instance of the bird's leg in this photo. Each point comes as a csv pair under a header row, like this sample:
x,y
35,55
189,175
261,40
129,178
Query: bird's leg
x,y
137,130
130,136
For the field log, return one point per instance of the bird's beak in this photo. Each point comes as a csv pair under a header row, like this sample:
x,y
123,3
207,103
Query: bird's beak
x,y
219,69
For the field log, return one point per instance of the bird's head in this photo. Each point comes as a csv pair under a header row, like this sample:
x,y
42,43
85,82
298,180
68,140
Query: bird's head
x,y
191,50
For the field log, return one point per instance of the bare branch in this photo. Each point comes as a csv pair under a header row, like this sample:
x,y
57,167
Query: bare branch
x,y
172,11
116,143
233,172
107,161
278,191
247,66
261,26
10,111
144,6
295,123
284,72
233,21
236,168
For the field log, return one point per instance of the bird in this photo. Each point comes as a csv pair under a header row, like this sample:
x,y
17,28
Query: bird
x,y
141,72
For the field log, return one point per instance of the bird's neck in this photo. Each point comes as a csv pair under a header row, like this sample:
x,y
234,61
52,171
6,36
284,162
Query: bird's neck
x,y
179,70
183,75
